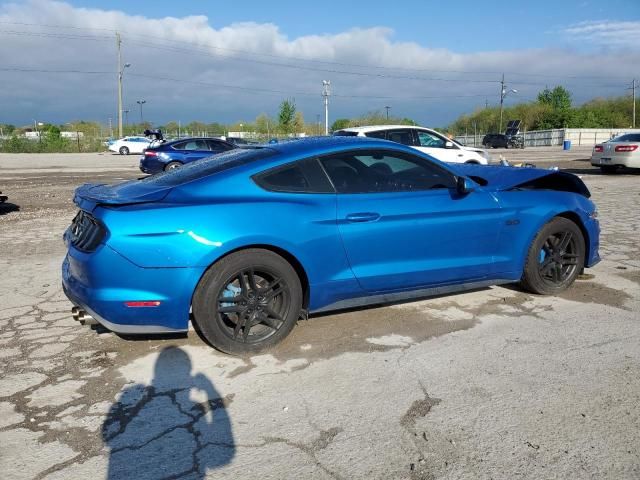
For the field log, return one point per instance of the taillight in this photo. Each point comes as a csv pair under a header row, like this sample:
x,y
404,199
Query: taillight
x,y
151,153
626,148
598,148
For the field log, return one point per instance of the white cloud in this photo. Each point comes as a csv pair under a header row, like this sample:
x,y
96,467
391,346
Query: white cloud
x,y
607,33
207,61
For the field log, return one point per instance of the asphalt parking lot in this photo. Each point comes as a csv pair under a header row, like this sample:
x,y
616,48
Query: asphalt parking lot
x,y
494,383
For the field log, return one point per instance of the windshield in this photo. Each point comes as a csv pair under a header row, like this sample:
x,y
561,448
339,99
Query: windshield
x,y
208,166
627,137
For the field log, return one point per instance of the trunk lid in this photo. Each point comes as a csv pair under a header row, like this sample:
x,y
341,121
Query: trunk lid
x,y
88,196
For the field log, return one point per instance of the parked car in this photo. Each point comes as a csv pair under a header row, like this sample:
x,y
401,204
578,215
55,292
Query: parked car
x,y
500,140
423,139
128,145
174,154
248,241
621,151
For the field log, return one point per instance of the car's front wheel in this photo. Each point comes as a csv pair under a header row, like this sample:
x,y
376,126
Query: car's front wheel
x,y
124,151
248,301
555,258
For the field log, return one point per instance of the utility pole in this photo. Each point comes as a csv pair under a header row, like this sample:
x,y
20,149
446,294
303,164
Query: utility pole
x,y
326,92
486,103
118,43
387,109
503,92
633,95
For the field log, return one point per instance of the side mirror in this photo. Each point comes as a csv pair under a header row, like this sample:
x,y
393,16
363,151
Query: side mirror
x,y
464,185
448,144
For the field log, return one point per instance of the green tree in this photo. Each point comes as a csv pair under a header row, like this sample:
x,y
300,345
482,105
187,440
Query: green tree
x,y
558,99
264,125
287,115
340,123
298,122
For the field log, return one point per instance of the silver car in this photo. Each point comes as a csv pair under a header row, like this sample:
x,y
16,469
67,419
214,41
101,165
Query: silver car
x,y
621,151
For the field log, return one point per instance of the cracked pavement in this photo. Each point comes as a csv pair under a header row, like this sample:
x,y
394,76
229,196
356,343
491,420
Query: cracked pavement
x,y
494,383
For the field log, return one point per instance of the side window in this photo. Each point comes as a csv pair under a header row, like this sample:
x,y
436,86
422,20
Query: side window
x,y
192,145
217,146
384,171
304,176
427,139
403,136
377,134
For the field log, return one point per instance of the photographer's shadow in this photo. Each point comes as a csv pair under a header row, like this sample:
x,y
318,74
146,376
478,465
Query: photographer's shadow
x,y
159,431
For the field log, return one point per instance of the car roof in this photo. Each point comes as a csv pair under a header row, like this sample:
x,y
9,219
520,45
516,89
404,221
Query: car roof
x,y
320,145
374,128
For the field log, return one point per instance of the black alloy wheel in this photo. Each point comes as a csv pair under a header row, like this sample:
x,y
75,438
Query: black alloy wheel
x,y
123,151
252,305
555,259
248,301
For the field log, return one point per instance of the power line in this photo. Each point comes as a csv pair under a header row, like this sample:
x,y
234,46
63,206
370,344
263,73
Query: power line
x,y
235,87
191,45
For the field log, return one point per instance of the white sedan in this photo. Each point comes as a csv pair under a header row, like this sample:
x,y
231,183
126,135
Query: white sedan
x,y
128,145
423,139
621,151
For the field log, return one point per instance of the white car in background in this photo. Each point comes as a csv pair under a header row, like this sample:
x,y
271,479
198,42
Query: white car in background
x,y
128,145
621,151
423,139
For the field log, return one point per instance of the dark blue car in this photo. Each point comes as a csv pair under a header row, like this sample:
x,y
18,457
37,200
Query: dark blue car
x,y
175,153
246,242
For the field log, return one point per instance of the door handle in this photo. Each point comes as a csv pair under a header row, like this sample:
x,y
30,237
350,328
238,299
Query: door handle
x,y
363,217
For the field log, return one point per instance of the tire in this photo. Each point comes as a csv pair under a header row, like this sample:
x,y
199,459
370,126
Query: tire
x,y
123,151
488,145
608,169
172,166
555,258
271,302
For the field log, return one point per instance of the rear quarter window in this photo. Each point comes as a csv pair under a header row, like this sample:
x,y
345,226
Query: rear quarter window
x,y
208,166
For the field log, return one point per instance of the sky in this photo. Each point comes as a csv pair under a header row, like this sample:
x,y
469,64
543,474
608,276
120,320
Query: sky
x,y
229,62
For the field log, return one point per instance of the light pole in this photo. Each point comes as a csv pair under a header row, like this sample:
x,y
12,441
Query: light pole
x,y
503,93
326,92
141,102
387,109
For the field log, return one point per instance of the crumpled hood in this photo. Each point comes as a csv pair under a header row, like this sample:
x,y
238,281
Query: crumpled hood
x,y
500,178
89,195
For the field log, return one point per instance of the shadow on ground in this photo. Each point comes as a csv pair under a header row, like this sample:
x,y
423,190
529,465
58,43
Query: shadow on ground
x,y
8,207
177,426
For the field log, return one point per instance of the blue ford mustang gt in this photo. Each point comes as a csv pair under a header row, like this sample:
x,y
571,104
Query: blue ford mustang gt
x,y
247,242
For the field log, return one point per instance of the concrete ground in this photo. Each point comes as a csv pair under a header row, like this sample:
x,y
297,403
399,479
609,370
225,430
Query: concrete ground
x,y
491,384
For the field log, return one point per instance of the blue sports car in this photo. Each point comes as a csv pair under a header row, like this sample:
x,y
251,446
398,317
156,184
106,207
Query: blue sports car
x,y
248,241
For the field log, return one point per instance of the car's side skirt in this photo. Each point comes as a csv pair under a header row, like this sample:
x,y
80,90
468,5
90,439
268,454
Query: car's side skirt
x,y
392,297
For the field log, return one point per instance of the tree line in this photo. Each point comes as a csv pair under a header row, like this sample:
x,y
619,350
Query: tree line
x,y
552,109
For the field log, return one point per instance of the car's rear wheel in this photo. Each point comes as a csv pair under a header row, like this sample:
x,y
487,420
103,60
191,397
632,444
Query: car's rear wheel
x,y
555,258
488,145
172,165
608,168
124,151
248,301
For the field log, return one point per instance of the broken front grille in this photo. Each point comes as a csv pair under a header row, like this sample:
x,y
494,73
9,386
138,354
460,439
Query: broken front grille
x,y
86,232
